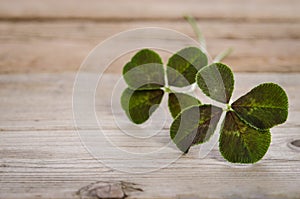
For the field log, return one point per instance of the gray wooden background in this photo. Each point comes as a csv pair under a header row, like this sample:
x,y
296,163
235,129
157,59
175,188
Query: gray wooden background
x,y
43,43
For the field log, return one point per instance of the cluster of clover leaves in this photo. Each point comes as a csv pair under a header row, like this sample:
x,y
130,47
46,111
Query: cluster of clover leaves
x,y
245,135
245,132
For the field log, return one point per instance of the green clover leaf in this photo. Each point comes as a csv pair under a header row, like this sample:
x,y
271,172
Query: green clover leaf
x,y
216,81
263,107
145,71
241,143
179,101
194,125
184,65
139,105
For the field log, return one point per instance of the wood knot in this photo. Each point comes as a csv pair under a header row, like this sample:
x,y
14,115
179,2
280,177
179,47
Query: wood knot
x,y
294,144
105,190
187,197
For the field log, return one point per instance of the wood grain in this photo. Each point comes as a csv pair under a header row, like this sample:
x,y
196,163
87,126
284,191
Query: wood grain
x,y
42,155
55,36
62,46
266,10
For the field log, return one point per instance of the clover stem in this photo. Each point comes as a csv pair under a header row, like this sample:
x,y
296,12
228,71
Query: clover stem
x,y
167,90
228,108
193,88
191,20
223,55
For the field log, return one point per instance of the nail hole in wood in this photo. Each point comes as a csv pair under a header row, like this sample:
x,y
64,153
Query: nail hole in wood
x,y
295,144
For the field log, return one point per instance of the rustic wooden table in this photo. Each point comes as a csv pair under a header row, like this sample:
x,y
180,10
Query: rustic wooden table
x,y
42,46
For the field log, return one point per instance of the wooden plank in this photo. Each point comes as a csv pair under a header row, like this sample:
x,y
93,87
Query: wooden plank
x,y
62,46
92,31
42,155
46,90
268,10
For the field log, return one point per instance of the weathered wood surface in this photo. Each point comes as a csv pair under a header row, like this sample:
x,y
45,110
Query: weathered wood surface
x,y
41,155
55,36
139,10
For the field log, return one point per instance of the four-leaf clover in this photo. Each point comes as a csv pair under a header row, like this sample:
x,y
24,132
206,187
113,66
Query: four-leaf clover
x,y
245,132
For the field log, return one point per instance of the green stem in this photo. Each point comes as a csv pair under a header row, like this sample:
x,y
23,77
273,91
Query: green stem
x,y
228,108
191,20
168,90
223,54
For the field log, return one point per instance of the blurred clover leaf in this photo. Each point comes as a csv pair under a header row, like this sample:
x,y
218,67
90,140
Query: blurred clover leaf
x,y
180,101
139,105
194,125
184,65
216,81
145,71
